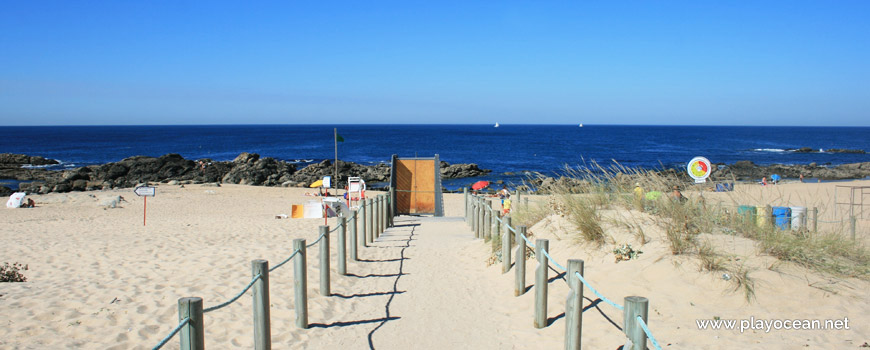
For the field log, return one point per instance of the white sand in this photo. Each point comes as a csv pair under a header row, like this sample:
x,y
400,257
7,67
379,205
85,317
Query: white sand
x,y
98,279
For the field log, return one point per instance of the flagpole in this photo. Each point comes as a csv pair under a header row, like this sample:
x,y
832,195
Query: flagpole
x,y
335,138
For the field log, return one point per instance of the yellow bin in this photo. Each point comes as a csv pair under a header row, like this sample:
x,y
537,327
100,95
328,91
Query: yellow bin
x,y
764,215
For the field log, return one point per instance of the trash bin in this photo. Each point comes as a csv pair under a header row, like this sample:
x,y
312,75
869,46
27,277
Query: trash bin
x,y
762,217
747,212
782,217
798,217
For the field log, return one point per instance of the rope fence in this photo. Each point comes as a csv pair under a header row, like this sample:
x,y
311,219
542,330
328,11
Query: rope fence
x,y
190,308
172,333
233,299
481,216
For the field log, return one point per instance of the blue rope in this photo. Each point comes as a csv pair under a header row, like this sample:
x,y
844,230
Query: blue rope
x,y
529,243
171,334
620,307
284,262
216,307
648,333
553,260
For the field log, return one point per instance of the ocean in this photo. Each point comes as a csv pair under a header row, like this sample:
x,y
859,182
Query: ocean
x,y
508,148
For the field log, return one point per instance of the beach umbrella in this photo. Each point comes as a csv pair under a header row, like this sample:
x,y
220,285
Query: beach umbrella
x,y
479,185
775,177
317,183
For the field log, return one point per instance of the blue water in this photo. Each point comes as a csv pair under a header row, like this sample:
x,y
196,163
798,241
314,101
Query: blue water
x,y
509,148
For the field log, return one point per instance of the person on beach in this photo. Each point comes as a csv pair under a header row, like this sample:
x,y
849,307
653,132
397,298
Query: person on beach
x,y
802,177
506,204
503,192
638,196
764,181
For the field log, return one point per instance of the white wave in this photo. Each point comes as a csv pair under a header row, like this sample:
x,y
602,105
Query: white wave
x,y
779,150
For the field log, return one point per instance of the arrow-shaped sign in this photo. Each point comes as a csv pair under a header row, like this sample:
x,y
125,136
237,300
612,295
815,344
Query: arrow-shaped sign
x,y
146,191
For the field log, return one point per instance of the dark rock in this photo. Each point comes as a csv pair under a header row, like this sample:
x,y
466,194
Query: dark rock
x,y
246,157
5,191
457,171
22,159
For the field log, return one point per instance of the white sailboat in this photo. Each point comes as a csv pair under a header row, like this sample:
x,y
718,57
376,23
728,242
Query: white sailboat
x,y
581,125
496,124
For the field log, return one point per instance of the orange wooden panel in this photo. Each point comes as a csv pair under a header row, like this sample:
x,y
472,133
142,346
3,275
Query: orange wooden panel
x,y
415,182
424,182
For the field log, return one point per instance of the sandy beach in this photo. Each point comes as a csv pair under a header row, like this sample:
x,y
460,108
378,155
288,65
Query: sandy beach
x,y
99,279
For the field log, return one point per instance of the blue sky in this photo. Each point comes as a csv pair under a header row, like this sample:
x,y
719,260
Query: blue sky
x,y
643,62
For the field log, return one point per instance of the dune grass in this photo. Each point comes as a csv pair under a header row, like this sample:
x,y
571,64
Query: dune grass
x,y
583,192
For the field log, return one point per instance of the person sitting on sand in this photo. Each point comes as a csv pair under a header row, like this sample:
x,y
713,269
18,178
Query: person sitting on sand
x,y
764,181
29,203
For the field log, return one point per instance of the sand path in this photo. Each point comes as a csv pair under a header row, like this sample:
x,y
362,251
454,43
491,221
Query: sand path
x,y
424,287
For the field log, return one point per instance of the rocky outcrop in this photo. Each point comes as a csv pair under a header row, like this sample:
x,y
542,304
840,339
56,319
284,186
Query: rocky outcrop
x,y
746,170
830,150
314,172
458,171
250,169
246,169
17,160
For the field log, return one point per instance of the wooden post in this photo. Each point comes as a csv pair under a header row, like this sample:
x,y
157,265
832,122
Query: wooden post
x,y
506,246
853,225
354,239
465,195
377,218
370,232
324,261
192,334
383,214
541,286
496,215
262,330
487,220
342,246
526,203
815,219
392,206
363,212
481,206
520,270
474,216
634,307
519,198
300,283
574,306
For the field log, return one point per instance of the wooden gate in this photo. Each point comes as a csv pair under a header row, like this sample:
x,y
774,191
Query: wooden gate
x,y
417,184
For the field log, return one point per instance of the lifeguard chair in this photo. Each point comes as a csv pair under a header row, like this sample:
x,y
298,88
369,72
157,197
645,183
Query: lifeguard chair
x,y
356,191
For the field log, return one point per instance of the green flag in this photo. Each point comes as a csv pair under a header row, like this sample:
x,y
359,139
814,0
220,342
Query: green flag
x,y
338,138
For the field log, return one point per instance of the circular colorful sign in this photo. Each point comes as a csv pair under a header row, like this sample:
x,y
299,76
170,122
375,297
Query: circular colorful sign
x,y
699,169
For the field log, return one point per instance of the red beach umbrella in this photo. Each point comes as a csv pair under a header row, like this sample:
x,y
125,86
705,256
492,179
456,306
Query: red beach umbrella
x,y
479,185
